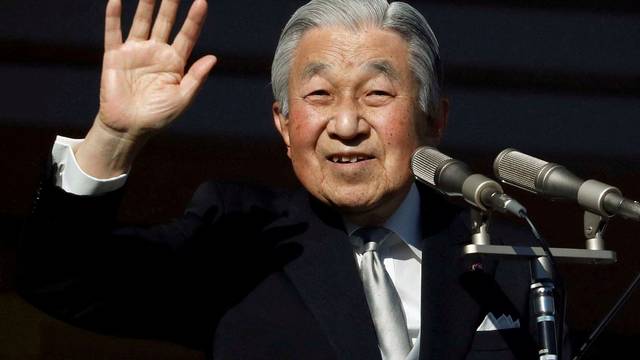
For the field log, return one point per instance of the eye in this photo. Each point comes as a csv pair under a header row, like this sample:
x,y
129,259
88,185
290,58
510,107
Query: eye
x,y
378,93
320,96
318,93
378,97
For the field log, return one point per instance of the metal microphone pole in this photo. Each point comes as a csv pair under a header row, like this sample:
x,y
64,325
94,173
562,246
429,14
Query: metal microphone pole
x,y
544,309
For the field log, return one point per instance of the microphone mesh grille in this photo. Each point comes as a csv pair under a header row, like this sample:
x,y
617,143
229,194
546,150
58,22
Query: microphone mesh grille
x,y
425,162
519,169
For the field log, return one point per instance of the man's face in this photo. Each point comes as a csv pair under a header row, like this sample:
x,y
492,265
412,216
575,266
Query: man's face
x,y
353,120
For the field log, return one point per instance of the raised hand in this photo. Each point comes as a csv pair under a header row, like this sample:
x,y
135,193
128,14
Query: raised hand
x,y
143,86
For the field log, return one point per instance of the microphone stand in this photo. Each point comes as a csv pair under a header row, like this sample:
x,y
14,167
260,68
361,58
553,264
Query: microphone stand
x,y
542,284
542,297
605,321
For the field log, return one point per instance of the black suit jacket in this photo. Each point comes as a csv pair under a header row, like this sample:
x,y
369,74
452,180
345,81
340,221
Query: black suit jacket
x,y
255,273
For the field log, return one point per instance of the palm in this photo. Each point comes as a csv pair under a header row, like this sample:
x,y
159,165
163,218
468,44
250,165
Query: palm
x,y
141,86
144,86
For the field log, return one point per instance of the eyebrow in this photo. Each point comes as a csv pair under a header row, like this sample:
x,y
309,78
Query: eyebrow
x,y
378,66
384,67
313,69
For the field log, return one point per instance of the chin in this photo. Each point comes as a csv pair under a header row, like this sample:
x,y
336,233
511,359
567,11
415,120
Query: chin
x,y
352,201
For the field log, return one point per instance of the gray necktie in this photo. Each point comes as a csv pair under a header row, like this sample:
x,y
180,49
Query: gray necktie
x,y
383,299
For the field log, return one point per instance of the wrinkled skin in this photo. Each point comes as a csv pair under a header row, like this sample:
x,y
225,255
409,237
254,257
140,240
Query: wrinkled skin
x,y
353,120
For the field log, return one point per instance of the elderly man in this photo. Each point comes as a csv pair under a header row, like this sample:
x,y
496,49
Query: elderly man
x,y
360,264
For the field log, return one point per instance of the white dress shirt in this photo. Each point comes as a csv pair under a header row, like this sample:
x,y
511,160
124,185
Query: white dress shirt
x,y
401,255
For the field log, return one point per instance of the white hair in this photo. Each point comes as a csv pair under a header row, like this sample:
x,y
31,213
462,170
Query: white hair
x,y
424,58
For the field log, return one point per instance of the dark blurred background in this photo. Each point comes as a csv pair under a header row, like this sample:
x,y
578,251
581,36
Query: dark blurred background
x,y
559,80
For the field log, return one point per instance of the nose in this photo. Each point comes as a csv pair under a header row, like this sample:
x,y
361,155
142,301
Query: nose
x,y
347,122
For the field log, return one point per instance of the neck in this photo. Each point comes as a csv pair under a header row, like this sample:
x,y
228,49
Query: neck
x,y
380,214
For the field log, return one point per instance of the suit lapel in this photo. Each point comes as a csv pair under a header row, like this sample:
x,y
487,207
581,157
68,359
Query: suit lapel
x,y
327,279
449,316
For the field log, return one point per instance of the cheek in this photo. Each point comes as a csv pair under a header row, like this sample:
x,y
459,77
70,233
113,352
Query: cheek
x,y
399,138
399,132
305,127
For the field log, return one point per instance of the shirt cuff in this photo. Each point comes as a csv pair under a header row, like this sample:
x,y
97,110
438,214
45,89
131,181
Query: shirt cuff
x,y
70,178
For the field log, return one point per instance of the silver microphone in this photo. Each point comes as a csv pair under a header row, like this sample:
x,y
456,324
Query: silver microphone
x,y
454,178
556,182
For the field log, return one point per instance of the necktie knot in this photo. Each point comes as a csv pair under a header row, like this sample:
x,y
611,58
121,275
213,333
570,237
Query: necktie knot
x,y
370,246
370,238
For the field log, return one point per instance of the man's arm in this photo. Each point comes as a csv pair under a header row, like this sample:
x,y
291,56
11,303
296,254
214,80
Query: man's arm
x,y
72,264
76,265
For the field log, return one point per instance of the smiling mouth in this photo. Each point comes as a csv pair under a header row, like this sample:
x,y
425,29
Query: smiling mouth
x,y
348,159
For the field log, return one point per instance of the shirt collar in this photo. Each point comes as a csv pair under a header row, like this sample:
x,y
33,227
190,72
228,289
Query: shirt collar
x,y
405,222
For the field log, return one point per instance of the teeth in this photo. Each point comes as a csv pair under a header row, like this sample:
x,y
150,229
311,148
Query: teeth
x,y
347,159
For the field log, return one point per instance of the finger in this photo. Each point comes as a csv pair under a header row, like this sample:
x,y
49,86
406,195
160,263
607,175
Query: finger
x,y
112,31
188,35
195,77
164,21
142,20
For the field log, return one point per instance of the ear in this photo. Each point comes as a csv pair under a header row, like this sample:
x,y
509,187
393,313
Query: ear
x,y
438,122
281,123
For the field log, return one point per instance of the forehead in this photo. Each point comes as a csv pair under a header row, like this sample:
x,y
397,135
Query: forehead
x,y
337,48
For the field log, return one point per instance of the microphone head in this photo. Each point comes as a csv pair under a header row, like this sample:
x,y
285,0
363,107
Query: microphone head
x,y
518,169
426,162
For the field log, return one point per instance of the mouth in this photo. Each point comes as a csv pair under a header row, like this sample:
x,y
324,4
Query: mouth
x,y
348,158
